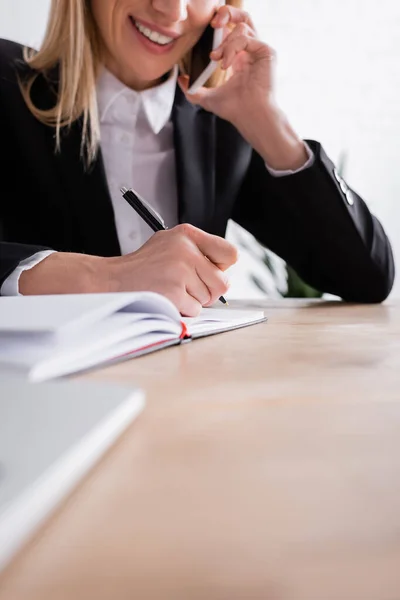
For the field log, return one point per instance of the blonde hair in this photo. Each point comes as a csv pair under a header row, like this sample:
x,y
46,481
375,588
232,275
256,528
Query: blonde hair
x,y
72,45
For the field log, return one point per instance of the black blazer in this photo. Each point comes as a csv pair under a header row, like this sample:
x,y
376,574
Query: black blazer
x,y
48,200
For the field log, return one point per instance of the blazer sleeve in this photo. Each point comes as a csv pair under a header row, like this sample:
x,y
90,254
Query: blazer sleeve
x,y
320,227
12,254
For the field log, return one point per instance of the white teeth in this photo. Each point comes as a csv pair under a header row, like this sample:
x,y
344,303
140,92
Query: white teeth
x,y
155,37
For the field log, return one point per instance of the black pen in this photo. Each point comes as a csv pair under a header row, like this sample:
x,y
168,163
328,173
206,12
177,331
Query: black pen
x,y
148,214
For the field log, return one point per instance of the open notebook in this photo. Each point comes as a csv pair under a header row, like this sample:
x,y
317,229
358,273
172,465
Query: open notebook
x,y
51,336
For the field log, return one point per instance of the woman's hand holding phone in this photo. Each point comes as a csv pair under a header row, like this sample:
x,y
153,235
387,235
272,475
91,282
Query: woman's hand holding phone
x,y
247,99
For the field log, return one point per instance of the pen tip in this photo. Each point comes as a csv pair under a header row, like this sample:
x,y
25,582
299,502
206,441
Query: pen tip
x,y
124,190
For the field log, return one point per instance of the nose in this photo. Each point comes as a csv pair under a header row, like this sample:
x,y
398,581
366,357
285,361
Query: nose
x,y
173,10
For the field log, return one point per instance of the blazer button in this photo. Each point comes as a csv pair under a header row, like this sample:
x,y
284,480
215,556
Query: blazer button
x,y
341,182
350,197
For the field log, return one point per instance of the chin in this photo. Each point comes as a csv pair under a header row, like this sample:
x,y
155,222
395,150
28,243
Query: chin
x,y
151,74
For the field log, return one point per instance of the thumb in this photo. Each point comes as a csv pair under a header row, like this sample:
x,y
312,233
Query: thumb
x,y
200,98
217,249
183,81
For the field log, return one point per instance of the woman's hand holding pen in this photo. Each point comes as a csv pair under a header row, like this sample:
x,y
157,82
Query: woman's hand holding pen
x,y
172,263
247,98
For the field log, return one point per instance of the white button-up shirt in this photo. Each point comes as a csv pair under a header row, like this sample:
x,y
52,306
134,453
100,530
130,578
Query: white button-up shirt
x,y
138,151
137,145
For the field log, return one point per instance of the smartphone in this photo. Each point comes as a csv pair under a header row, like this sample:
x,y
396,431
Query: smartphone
x,y
202,67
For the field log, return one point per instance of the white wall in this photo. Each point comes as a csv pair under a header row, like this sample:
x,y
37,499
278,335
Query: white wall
x,y
338,80
23,20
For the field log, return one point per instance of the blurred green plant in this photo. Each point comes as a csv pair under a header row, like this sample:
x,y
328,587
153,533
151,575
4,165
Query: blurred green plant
x,y
297,288
275,278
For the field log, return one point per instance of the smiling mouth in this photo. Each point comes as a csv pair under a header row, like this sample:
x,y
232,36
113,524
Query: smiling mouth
x,y
153,36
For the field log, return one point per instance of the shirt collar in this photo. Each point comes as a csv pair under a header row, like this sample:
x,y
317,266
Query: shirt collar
x,y
157,102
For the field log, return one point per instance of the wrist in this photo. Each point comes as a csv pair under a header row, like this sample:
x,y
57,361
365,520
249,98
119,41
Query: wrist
x,y
271,135
63,273
110,274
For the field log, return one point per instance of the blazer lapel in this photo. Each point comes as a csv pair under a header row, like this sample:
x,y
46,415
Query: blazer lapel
x,y
88,208
195,151
87,191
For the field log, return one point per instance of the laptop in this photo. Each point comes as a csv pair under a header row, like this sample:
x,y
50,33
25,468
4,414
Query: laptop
x,y
51,434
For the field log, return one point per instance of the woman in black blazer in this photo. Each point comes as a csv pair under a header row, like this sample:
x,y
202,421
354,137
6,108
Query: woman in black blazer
x,y
236,157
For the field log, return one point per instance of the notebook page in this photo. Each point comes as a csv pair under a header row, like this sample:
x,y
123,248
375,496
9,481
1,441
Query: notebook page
x,y
120,351
72,312
53,356
218,320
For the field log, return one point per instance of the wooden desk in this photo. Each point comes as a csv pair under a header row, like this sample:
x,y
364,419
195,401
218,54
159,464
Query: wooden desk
x,y
266,466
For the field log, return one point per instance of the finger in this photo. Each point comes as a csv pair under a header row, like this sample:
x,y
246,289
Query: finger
x,y
247,44
197,288
189,306
197,98
184,83
215,280
230,15
204,97
240,30
220,252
